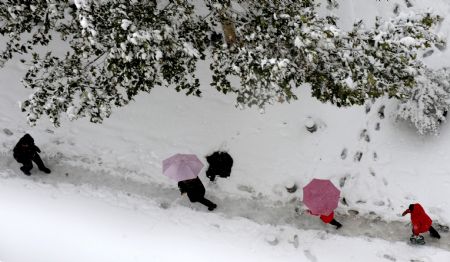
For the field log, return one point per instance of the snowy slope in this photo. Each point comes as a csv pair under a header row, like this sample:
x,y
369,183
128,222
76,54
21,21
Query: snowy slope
x,y
44,223
107,179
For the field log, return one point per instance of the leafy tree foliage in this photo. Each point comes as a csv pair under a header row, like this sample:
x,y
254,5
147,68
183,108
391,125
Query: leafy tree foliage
x,y
426,104
284,44
117,49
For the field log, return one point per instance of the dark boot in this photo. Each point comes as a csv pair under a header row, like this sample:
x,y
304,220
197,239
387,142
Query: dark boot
x,y
25,170
335,223
434,233
211,206
417,240
45,170
27,166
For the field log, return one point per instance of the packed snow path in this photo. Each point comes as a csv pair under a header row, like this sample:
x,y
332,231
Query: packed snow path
x,y
260,210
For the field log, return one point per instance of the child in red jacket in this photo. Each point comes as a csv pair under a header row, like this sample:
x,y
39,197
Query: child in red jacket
x,y
328,219
420,221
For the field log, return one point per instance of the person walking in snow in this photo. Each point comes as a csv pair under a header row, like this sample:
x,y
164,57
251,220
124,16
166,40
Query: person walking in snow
x,y
321,197
196,192
25,152
220,164
421,223
328,219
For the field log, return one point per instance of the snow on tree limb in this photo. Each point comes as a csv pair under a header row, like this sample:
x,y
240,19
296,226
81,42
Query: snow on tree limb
x,y
109,63
343,68
426,104
119,49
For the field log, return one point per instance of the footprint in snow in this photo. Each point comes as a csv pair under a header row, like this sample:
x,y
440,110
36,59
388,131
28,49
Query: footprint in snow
x,y
342,180
344,153
245,188
7,132
381,111
372,172
379,203
364,135
428,53
368,107
58,141
442,228
164,205
375,156
408,3
377,126
309,255
389,257
396,9
352,212
358,156
294,241
272,240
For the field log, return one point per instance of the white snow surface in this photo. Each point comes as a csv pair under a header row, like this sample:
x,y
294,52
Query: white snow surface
x,y
106,199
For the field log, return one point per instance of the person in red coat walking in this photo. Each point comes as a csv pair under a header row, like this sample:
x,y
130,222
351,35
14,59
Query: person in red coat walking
x,y
420,221
328,219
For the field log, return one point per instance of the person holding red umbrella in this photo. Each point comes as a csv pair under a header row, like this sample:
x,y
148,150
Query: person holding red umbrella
x,y
421,223
322,197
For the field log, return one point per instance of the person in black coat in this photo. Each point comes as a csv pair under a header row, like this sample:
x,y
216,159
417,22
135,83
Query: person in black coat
x,y
220,164
196,192
26,151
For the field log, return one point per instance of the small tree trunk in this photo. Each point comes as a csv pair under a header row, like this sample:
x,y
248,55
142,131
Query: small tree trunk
x,y
290,186
310,125
229,30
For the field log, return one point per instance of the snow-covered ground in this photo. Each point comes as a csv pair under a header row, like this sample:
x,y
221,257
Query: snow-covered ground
x,y
106,199
47,223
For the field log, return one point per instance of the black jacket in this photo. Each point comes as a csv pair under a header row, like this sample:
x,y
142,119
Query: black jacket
x,y
25,149
220,164
194,189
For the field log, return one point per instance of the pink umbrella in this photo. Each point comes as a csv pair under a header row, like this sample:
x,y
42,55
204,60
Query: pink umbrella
x,y
321,196
182,167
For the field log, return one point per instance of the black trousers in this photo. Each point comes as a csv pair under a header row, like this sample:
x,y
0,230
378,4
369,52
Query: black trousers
x,y
335,223
205,202
28,165
434,233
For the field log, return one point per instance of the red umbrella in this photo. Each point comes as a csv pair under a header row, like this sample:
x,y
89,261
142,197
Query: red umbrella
x,y
321,196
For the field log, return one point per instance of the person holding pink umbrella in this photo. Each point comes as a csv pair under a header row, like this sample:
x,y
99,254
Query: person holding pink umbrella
x,y
196,192
322,197
184,168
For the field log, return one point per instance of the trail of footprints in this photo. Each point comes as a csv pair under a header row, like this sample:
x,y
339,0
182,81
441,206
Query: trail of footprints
x,y
364,139
365,136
